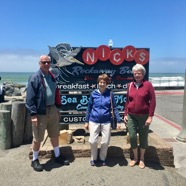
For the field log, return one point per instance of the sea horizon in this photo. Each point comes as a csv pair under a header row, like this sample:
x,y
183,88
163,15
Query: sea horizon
x,y
22,77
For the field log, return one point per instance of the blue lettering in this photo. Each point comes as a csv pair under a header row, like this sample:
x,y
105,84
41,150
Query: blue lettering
x,y
84,100
65,100
80,107
119,99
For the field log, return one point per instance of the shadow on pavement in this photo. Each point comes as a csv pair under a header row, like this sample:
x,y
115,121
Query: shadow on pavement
x,y
115,156
111,162
154,166
50,164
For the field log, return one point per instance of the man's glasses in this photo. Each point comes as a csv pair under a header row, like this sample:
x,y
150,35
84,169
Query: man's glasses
x,y
45,62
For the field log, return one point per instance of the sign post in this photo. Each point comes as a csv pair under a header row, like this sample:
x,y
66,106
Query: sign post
x,y
182,135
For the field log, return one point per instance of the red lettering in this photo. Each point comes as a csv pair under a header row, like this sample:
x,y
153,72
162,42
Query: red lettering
x,y
119,78
116,57
90,56
142,56
129,52
88,78
103,52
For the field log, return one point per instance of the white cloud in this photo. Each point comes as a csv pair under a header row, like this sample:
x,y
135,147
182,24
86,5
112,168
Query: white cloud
x,y
18,62
168,65
27,61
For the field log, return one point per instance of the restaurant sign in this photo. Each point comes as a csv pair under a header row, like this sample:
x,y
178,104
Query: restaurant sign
x,y
79,102
77,68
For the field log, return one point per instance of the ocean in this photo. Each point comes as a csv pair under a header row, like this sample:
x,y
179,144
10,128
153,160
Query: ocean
x,y
15,77
157,79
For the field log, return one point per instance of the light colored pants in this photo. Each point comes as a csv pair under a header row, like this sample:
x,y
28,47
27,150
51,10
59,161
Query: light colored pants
x,y
95,129
50,121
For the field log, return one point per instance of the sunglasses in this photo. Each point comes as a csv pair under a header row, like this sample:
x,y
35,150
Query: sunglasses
x,y
45,62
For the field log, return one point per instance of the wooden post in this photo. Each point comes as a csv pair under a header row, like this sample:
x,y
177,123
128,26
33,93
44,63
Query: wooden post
x,y
6,106
28,129
5,129
18,121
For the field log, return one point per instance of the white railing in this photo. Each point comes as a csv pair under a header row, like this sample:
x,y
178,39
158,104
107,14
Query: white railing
x,y
167,81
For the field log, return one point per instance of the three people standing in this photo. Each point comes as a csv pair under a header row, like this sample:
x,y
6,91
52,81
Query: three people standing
x,y
43,98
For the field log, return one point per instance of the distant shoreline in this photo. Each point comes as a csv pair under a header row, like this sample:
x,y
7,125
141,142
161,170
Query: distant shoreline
x,y
159,80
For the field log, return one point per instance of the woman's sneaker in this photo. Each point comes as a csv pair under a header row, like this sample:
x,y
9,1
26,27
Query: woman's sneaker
x,y
102,163
93,162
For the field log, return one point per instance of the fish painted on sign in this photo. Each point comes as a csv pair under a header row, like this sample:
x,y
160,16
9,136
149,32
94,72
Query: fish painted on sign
x,y
64,55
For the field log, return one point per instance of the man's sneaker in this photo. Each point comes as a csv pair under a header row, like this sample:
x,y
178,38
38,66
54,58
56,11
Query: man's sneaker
x,y
36,165
62,160
93,162
102,163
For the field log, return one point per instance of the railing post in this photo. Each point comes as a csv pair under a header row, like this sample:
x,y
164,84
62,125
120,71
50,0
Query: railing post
x,y
182,135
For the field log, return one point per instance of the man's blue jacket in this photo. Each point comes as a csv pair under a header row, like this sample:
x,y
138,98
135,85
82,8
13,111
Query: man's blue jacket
x,y
36,94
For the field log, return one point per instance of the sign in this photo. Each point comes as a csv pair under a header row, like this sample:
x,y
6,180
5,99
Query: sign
x,y
77,105
77,68
77,118
79,102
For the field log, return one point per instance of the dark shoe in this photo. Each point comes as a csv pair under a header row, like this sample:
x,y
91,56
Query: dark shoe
x,y
93,162
62,160
37,166
102,163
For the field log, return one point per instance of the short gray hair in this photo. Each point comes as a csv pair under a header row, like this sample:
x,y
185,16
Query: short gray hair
x,y
139,67
45,56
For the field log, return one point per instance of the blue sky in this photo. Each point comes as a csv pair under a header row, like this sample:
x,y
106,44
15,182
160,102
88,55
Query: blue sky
x,y
28,27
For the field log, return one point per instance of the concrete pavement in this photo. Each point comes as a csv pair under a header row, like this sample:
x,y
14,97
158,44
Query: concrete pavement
x,y
167,123
15,165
